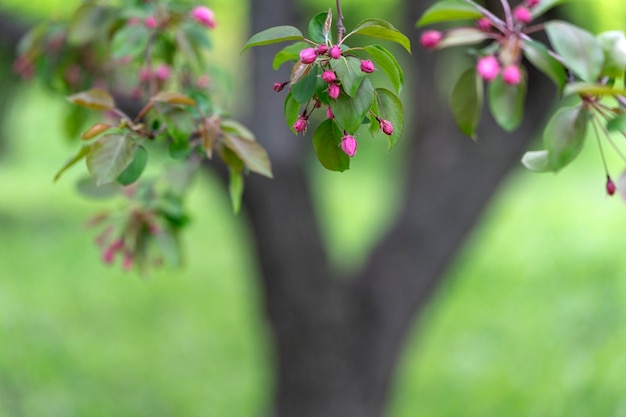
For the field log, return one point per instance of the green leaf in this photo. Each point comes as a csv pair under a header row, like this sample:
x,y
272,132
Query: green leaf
x,y
378,28
237,129
389,107
251,153
592,89
94,99
448,10
179,150
88,188
82,152
171,97
274,35
578,48
350,111
466,102
388,63
462,36
316,28
348,70
303,89
617,124
545,5
108,157
288,53
538,55
292,111
613,45
136,167
564,136
130,40
537,161
327,145
86,24
235,189
506,102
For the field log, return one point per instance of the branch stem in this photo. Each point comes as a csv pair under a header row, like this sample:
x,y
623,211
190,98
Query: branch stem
x,y
341,29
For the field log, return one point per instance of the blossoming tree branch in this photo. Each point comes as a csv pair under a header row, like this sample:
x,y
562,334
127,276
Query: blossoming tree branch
x,y
154,51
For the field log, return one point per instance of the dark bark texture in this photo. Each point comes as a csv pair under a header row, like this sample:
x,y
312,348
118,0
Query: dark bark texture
x,y
337,340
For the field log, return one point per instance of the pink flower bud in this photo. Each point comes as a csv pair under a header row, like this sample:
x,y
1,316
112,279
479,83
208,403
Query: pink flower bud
x,y
133,21
322,49
117,245
484,24
522,14
334,91
610,186
300,124
430,39
329,76
203,81
335,52
127,262
329,113
512,75
108,256
308,55
386,126
150,22
349,145
163,72
367,66
145,74
204,16
278,87
488,67
532,3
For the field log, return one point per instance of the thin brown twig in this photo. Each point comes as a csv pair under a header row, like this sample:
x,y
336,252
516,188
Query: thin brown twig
x,y
341,29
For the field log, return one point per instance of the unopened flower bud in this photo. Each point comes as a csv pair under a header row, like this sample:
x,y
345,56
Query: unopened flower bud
x,y
308,55
322,49
522,14
329,113
145,74
203,81
484,24
279,86
610,186
329,76
150,22
163,72
204,16
386,126
133,21
512,75
335,52
127,262
349,145
430,39
334,91
300,124
488,67
367,66
108,256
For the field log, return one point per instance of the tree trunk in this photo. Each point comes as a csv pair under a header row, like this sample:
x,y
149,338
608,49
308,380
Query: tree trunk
x,y
337,341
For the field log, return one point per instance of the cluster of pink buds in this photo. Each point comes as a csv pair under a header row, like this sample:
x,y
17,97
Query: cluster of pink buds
x,y
117,246
488,67
161,73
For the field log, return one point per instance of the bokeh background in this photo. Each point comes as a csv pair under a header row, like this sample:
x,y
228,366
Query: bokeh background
x,y
530,319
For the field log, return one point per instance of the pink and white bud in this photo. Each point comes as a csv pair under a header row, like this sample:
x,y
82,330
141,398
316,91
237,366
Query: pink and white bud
x,y
329,76
610,186
329,113
308,56
484,24
334,91
512,75
335,52
204,16
150,22
430,39
321,49
163,72
367,66
532,3
488,67
300,124
349,145
386,126
522,14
